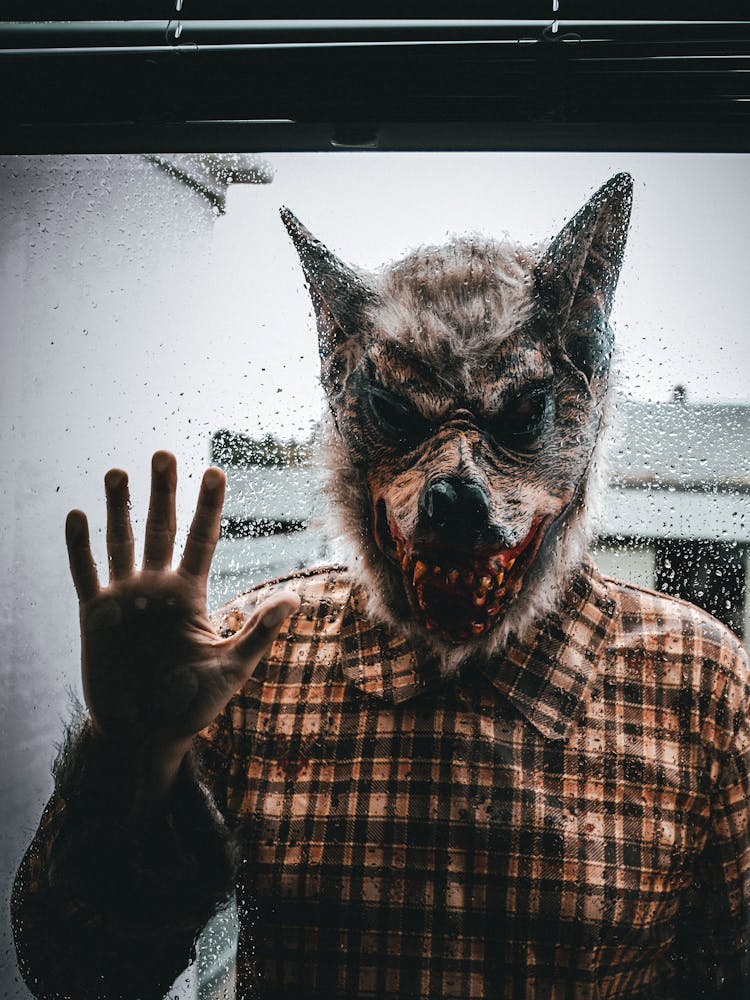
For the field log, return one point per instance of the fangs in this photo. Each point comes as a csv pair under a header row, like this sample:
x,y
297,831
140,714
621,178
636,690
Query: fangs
x,y
461,602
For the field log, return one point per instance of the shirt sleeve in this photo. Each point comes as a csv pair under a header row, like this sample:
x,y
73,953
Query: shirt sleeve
x,y
107,907
715,948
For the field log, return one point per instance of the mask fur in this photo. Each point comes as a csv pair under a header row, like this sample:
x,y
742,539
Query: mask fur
x,y
468,390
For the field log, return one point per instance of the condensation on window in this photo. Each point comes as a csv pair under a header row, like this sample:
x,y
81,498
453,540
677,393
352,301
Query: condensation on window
x,y
156,302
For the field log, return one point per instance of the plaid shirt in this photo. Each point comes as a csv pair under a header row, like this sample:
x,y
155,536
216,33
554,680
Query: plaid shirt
x,y
569,820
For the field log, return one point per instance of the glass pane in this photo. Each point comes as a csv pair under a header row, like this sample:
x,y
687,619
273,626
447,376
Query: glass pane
x,y
152,305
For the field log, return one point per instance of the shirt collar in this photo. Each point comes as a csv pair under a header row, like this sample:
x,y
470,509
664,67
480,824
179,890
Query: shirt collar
x,y
545,672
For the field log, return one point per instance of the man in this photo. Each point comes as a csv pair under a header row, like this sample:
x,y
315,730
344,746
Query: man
x,y
466,766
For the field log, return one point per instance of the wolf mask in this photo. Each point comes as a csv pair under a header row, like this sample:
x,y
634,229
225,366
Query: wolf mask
x,y
468,389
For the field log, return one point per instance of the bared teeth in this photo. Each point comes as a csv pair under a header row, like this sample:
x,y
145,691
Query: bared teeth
x,y
484,586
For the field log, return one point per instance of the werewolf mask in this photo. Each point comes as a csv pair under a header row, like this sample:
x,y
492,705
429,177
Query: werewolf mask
x,y
467,387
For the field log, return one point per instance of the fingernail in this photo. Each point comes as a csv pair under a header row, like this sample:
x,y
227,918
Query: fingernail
x,y
212,479
74,527
114,479
275,615
161,461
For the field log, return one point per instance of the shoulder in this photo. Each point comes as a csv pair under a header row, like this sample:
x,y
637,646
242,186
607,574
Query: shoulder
x,y
325,593
682,649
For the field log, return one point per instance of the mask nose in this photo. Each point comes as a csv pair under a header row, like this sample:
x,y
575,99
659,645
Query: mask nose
x,y
456,510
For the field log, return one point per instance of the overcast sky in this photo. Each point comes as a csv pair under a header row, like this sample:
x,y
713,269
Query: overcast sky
x,y
680,315
134,319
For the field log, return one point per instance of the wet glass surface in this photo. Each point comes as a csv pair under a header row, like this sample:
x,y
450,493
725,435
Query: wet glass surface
x,y
136,316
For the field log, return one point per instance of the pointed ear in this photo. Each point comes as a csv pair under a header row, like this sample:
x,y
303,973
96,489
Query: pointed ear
x,y
577,276
339,297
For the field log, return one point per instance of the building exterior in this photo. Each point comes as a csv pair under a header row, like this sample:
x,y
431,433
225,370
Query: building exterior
x,y
675,516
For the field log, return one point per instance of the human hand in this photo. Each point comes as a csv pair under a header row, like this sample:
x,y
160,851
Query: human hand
x,y
154,670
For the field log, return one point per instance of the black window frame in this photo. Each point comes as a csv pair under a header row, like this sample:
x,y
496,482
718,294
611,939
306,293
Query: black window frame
x,y
517,76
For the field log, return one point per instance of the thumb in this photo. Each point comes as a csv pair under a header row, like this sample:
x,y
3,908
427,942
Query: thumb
x,y
255,637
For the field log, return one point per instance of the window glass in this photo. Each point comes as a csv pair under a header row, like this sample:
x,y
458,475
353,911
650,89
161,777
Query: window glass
x,y
148,304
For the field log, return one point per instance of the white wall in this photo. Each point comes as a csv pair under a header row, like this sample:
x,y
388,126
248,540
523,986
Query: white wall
x,y
636,565
106,273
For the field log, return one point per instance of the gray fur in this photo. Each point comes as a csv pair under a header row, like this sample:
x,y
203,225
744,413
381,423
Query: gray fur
x,y
454,329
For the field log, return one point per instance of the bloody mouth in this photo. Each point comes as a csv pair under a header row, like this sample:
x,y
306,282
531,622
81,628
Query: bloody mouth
x,y
459,594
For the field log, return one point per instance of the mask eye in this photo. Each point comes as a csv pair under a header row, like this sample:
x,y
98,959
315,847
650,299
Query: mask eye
x,y
524,419
394,417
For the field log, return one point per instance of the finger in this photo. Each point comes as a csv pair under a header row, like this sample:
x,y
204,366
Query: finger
x,y
82,566
161,523
255,637
119,530
204,531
